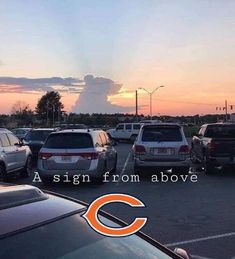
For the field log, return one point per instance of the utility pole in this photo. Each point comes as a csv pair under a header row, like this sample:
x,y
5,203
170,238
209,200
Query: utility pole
x,y
136,104
150,97
226,111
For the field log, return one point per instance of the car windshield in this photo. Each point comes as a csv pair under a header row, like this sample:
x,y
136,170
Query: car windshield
x,y
37,135
220,131
72,237
69,140
159,134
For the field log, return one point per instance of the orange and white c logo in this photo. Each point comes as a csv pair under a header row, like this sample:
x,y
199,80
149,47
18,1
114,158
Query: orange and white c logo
x,y
97,225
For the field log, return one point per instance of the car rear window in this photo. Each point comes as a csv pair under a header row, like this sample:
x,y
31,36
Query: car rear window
x,y
69,140
220,131
159,134
37,135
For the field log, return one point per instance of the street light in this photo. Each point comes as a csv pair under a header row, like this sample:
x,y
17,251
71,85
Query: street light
x,y
150,95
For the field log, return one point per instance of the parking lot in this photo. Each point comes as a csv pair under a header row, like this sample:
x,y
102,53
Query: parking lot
x,y
197,216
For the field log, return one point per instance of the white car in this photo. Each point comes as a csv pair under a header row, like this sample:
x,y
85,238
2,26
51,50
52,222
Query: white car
x,y
78,151
125,131
161,147
14,156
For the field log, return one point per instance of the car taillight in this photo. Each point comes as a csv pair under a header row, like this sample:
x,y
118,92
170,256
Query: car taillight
x,y
184,150
140,149
89,156
44,156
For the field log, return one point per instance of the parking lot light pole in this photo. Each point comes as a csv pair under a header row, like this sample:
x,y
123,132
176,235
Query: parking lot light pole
x,y
150,97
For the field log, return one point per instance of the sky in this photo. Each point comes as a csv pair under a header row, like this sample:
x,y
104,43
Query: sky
x,y
97,53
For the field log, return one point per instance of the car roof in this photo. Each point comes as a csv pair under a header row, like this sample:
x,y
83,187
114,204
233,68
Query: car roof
x,y
23,206
78,131
43,129
162,124
4,130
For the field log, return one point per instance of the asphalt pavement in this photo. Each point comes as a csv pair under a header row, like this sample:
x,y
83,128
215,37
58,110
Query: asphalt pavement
x,y
195,215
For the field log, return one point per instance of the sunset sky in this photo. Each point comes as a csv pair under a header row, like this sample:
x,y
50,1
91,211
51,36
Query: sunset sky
x,y
97,53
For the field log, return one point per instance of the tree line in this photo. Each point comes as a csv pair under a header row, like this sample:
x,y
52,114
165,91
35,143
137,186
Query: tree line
x,y
49,111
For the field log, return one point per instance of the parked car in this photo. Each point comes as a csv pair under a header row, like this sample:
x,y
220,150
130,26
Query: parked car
x,y
214,146
14,156
36,138
161,146
36,224
87,152
125,131
21,132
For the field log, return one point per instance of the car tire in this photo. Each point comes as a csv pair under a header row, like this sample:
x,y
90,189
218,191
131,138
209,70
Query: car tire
x,y
99,179
133,138
27,170
184,170
2,173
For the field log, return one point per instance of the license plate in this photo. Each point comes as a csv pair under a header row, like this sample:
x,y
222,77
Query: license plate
x,y
66,159
163,151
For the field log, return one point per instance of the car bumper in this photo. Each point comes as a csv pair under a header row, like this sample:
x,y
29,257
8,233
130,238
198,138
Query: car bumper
x,y
162,164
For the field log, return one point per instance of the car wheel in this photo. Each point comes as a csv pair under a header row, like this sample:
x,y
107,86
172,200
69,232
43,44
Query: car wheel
x,y
99,179
133,138
2,173
181,170
27,168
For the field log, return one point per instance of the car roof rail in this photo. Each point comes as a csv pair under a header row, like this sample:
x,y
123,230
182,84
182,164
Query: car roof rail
x,y
16,195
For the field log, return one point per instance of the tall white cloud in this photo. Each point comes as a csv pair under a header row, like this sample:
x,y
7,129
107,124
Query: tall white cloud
x,y
94,96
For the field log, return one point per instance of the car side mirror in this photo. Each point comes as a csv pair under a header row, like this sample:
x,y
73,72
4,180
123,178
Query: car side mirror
x,y
198,135
182,253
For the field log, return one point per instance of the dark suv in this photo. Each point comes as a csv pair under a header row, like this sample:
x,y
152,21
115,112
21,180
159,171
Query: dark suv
x,y
34,224
36,138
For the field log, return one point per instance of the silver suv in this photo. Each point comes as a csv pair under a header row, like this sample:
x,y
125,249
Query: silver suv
x,y
76,152
161,146
14,156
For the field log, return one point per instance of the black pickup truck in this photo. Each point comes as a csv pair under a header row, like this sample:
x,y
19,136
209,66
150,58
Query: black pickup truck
x,y
214,146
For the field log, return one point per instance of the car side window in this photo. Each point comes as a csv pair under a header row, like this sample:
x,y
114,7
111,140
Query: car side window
x,y
120,127
128,126
136,126
13,140
5,141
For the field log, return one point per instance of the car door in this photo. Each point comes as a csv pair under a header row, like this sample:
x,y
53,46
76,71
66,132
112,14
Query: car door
x,y
20,150
119,132
128,131
9,152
